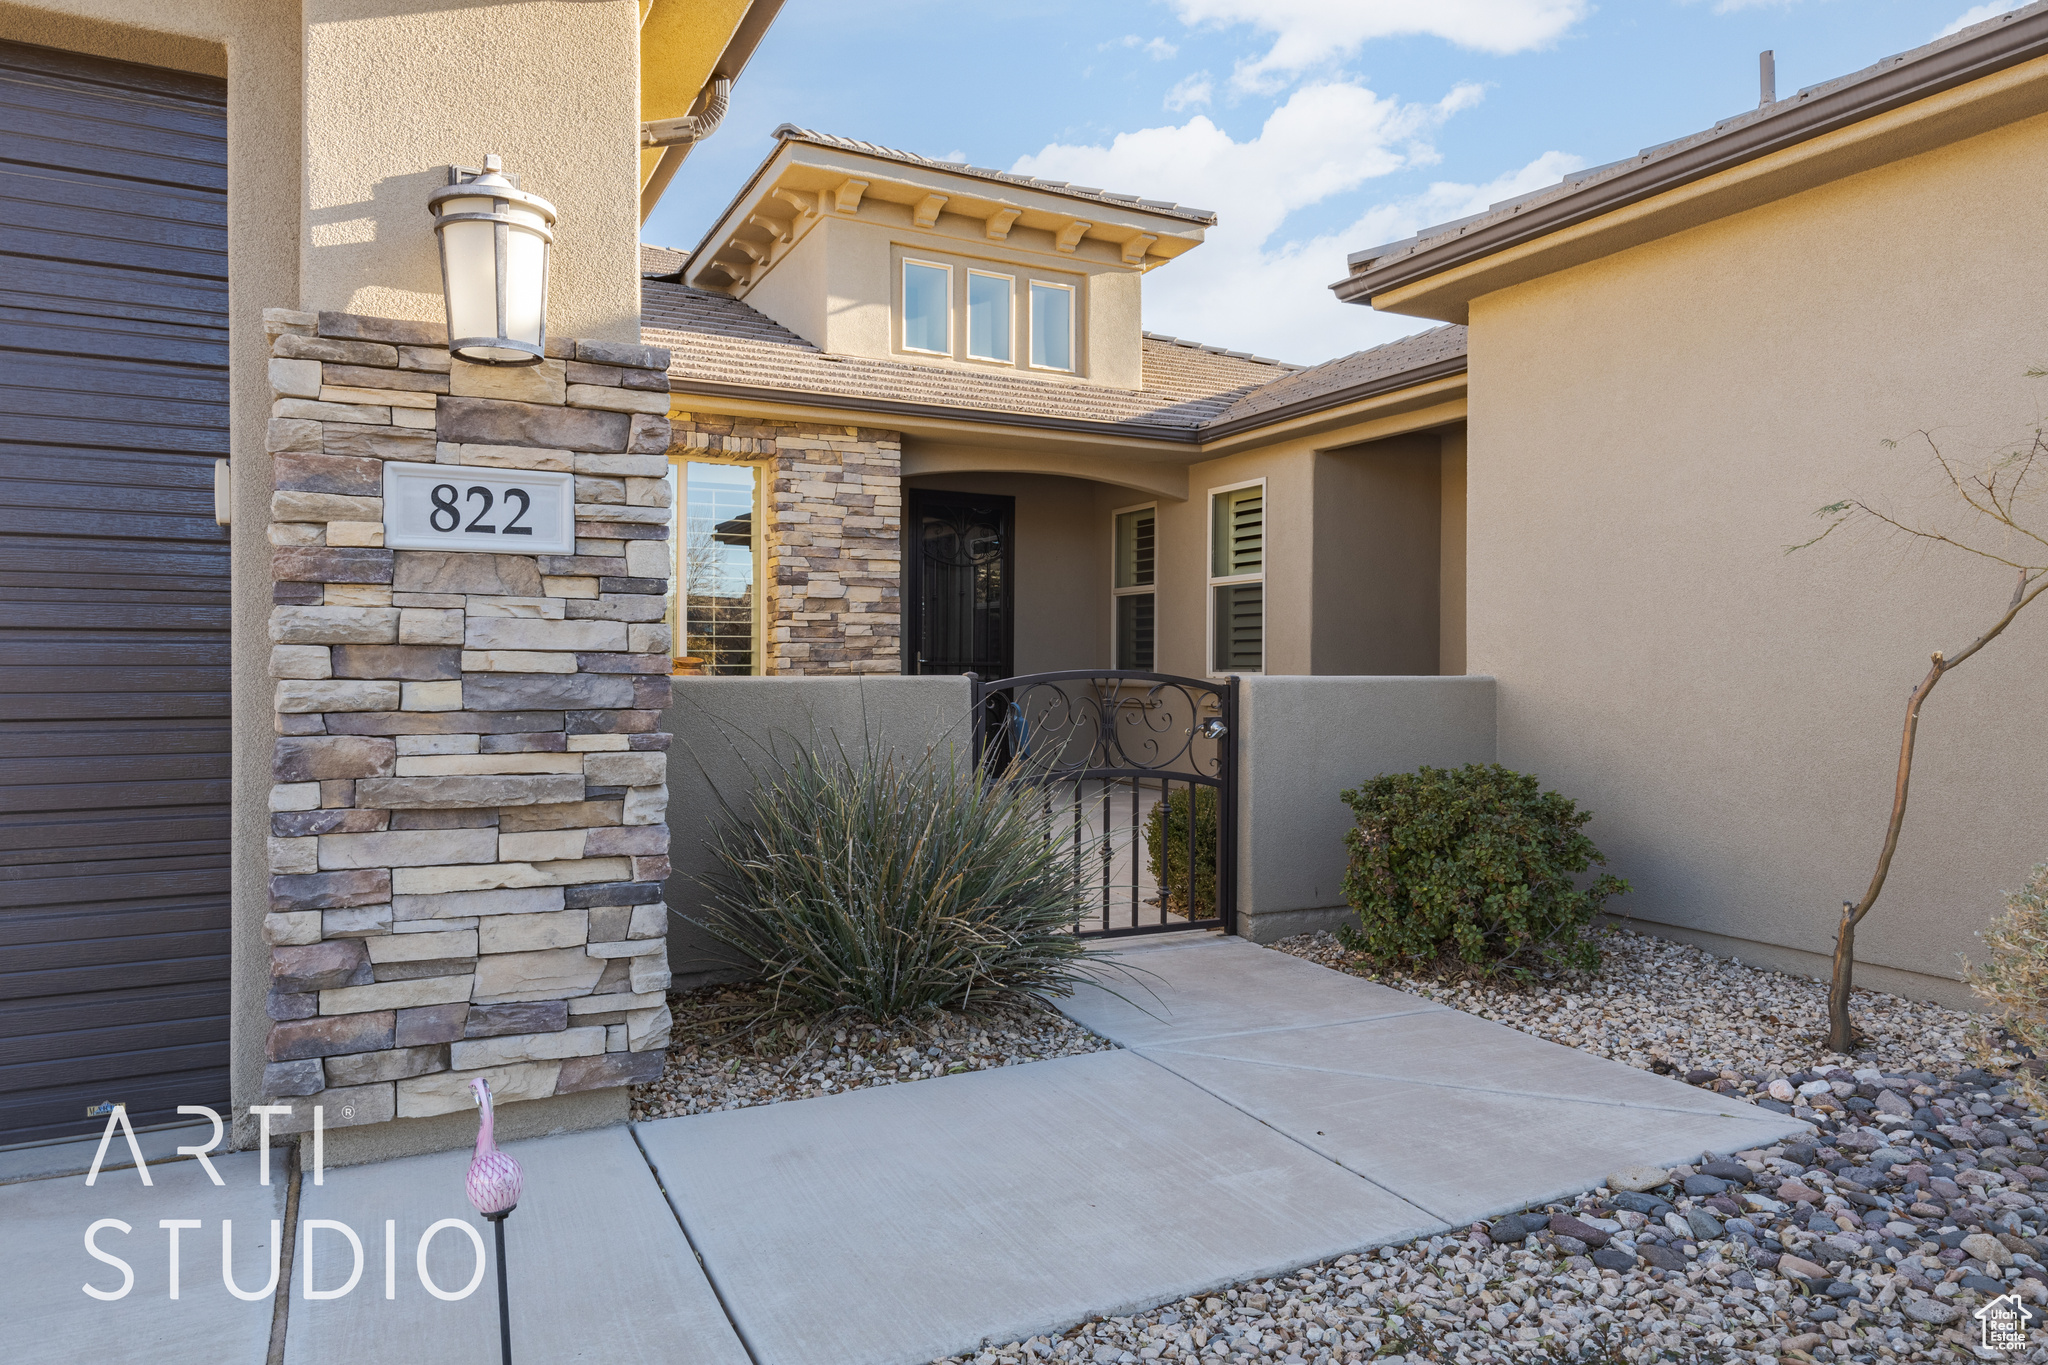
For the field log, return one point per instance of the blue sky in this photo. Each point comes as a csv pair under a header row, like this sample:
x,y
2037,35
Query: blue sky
x,y
1312,127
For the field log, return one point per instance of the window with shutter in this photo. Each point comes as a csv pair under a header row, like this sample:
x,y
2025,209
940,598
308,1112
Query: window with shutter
x,y
1237,586
1132,588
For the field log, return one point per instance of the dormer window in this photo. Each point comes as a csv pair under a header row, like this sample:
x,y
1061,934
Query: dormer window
x,y
927,307
988,315
1052,326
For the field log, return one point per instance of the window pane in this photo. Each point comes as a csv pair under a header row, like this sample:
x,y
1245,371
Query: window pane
x,y
1240,627
1134,549
925,307
718,538
1134,631
1052,327
988,316
1238,542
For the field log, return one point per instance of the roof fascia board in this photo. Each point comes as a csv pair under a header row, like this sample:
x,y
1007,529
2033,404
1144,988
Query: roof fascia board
x,y
1388,395
923,418
737,209
739,50
881,170
1960,91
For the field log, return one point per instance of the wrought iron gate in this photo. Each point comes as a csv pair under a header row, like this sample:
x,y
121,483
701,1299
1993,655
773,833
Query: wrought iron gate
x,y
1139,771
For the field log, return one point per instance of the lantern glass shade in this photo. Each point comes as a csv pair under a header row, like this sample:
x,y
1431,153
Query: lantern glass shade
x,y
494,266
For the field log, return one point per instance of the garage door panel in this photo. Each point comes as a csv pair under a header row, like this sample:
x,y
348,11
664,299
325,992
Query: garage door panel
x,y
92,300
152,1097
153,565
183,791
119,705
111,615
172,919
157,1007
114,594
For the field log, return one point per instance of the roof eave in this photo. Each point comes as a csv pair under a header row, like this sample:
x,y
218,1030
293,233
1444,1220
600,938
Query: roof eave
x,y
1379,387
1802,120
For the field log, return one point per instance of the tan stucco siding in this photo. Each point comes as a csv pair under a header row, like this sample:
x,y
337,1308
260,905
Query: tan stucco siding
x,y
1378,558
1451,546
395,94
1650,431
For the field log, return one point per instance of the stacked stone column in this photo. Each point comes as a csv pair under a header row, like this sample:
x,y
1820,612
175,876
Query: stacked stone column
x,y
834,538
468,822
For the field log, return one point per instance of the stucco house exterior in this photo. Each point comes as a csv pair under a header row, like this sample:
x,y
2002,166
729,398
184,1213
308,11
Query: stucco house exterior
x,y
295,814
919,400
1582,483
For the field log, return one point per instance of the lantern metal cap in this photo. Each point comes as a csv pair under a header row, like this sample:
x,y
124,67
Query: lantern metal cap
x,y
491,180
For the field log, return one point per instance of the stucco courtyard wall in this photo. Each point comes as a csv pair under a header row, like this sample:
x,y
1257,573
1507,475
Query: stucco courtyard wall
x,y
731,732
1302,741
1649,432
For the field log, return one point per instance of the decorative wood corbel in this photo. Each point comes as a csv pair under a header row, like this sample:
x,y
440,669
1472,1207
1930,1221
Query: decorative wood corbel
x,y
999,223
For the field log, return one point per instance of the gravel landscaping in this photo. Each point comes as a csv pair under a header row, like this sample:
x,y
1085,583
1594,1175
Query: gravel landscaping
x,y
715,1064
1917,1200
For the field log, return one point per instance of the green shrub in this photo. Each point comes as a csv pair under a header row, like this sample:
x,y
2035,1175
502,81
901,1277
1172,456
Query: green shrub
x,y
1476,865
1166,847
871,885
2014,983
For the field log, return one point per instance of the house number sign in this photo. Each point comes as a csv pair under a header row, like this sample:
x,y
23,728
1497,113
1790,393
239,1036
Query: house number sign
x,y
464,507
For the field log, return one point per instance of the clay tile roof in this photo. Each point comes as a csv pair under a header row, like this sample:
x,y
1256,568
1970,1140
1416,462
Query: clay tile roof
x,y
789,132
721,346
661,262
1416,359
2004,40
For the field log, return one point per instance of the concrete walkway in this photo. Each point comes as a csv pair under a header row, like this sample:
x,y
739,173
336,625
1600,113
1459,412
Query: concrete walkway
x,y
1263,1113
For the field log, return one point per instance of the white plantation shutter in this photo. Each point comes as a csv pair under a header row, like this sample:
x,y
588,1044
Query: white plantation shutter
x,y
1237,566
1132,588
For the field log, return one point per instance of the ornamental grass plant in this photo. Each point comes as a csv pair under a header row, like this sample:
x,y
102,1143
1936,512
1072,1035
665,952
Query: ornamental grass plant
x,y
877,885
1472,870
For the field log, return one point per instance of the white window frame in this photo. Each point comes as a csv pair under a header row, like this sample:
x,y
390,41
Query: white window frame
x,y
967,347
903,306
679,473
1152,588
1228,580
1073,320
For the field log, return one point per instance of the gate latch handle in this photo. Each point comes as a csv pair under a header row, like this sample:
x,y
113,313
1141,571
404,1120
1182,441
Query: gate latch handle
x,y
1212,728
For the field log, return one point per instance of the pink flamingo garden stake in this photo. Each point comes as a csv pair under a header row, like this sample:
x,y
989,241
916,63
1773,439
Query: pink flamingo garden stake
x,y
494,1184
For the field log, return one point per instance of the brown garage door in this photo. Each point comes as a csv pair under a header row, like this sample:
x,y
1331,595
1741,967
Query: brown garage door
x,y
113,592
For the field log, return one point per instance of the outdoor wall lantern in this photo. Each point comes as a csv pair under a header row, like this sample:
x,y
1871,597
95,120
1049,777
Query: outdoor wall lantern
x,y
494,264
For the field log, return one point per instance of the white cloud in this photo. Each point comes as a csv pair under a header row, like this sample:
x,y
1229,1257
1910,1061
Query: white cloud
x,y
1978,14
955,155
1240,288
1190,91
1312,33
1158,49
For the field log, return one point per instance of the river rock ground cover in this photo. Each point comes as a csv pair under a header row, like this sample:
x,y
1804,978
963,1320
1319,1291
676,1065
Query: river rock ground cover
x,y
1917,1200
714,1062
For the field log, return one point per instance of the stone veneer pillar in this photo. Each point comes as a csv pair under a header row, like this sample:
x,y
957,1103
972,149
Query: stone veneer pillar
x,y
468,835
834,538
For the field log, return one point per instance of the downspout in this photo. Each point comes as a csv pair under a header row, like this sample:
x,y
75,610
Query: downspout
x,y
670,132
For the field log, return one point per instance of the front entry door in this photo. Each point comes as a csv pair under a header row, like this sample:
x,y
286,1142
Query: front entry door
x,y
961,567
